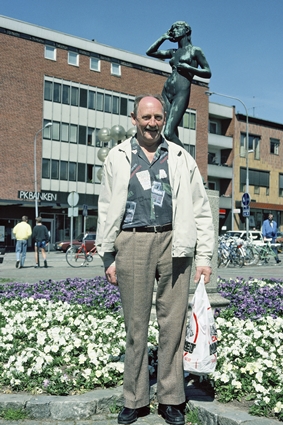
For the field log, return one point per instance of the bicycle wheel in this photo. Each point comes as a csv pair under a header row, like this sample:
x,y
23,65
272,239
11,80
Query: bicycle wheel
x,y
75,257
249,257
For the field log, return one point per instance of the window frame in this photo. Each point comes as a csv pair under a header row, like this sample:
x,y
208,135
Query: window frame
x,y
275,143
115,69
49,56
93,59
73,55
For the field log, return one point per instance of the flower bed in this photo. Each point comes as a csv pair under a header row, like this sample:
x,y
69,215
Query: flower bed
x,y
61,337
250,345
68,337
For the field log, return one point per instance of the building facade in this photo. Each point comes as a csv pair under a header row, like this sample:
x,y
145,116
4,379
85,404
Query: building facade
x,y
228,164
83,89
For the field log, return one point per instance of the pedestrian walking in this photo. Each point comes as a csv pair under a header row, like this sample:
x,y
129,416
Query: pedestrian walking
x,y
22,232
41,238
269,231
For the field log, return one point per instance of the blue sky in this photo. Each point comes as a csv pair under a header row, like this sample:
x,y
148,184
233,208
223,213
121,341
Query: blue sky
x,y
241,39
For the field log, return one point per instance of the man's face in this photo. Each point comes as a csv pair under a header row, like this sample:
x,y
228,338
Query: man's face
x,y
270,217
149,121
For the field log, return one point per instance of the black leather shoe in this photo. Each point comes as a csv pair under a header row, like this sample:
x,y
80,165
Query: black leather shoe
x,y
171,414
127,416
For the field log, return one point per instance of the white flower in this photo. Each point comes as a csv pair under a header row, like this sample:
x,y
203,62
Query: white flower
x,y
82,358
278,407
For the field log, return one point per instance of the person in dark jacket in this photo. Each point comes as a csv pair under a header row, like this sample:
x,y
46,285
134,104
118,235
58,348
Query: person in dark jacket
x,y
41,238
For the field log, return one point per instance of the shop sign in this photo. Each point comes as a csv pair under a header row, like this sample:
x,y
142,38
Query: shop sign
x,y
41,196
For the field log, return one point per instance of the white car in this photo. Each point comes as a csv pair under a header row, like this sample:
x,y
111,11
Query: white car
x,y
255,235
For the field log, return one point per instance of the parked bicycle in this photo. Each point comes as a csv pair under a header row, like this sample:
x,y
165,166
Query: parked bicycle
x,y
230,252
78,256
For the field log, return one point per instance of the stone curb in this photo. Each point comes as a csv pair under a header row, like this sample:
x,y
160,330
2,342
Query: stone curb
x,y
95,407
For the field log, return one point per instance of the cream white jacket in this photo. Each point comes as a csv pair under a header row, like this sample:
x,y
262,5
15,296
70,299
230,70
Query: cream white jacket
x,y
193,232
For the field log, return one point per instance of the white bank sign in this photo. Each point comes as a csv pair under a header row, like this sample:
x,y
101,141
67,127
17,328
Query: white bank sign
x,y
42,196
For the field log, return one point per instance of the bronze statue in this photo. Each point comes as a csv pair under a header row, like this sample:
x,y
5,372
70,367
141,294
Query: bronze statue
x,y
184,62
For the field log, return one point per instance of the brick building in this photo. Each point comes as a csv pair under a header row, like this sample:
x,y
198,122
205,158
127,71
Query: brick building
x,y
80,87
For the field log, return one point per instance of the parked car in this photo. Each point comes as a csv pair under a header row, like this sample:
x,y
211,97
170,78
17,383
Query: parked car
x,y
255,235
89,242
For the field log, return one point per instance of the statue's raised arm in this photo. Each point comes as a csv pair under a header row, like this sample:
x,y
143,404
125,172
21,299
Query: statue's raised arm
x,y
186,61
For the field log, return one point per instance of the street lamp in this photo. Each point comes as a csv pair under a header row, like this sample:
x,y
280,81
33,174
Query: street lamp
x,y
209,93
35,171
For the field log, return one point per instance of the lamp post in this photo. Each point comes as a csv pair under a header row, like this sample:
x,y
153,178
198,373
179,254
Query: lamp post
x,y
35,171
209,93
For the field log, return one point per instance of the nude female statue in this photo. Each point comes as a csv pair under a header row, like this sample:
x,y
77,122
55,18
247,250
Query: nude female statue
x,y
184,61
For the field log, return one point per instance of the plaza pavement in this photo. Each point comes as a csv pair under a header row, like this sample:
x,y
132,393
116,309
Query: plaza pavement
x,y
93,407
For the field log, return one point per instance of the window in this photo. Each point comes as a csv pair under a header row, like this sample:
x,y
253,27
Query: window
x,y
73,133
74,96
99,102
123,106
83,98
90,136
64,132
254,145
256,190
72,171
47,130
55,131
57,92
256,178
66,95
81,172
189,121
274,146
48,90
89,173
82,135
191,149
45,168
73,58
115,105
95,64
211,185
63,170
213,127
50,53
107,105
91,99
55,169
116,69
281,185
130,107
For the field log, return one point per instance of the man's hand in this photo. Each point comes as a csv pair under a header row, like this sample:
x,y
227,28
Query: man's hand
x,y
111,276
206,271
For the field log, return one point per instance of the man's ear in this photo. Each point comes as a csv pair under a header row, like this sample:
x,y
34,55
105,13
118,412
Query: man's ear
x,y
133,118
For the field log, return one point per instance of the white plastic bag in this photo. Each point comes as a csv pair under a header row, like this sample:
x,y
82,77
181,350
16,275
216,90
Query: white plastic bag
x,y
200,355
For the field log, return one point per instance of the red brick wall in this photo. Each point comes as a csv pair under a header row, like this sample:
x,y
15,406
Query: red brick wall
x,y
22,70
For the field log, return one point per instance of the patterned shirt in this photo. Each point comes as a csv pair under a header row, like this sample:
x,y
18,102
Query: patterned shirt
x,y
149,200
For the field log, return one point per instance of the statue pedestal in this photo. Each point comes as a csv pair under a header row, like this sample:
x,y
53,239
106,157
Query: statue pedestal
x,y
216,300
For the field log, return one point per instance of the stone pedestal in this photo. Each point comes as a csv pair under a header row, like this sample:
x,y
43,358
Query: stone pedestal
x,y
216,300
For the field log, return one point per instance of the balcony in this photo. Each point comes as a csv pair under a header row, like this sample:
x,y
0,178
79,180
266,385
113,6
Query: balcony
x,y
219,171
220,142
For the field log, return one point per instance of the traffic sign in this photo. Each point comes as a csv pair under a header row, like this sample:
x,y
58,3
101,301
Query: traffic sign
x,y
246,199
246,211
73,199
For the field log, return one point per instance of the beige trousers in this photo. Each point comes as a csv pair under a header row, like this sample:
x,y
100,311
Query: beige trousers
x,y
141,258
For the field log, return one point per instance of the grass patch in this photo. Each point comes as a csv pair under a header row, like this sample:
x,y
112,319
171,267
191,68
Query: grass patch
x,y
13,414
